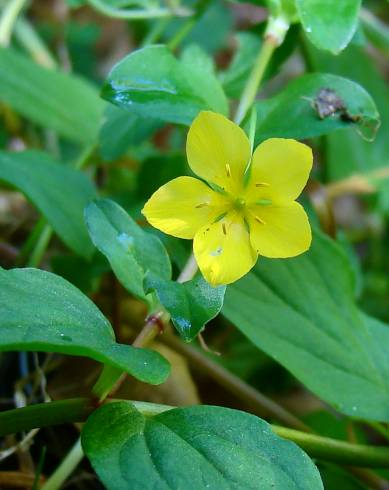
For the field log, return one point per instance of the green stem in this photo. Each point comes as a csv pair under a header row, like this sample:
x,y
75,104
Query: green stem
x,y
274,36
40,247
259,403
66,468
8,19
341,452
156,31
44,415
78,410
186,28
135,14
33,44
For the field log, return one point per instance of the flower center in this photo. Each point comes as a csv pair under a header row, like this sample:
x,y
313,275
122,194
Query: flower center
x,y
239,204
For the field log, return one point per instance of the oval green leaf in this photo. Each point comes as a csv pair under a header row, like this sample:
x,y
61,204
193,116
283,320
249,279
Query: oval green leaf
x,y
53,99
302,312
329,24
195,448
42,312
151,82
132,252
298,112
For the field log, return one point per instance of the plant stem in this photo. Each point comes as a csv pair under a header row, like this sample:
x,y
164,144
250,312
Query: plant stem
x,y
44,414
259,403
40,246
134,14
33,44
78,410
8,19
68,465
337,451
186,28
274,36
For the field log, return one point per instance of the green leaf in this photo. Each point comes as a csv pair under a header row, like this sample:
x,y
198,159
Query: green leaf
x,y
191,304
42,312
121,129
52,99
329,24
59,192
200,447
302,312
292,113
131,251
346,153
151,82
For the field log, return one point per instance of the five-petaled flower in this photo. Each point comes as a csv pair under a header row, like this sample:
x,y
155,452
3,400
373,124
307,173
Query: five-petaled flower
x,y
248,207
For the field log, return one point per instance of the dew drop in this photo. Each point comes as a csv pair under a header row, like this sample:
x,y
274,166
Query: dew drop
x,y
66,338
308,29
216,252
125,240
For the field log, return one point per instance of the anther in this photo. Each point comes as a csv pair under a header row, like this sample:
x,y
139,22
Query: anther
x,y
202,205
228,170
224,228
262,184
260,220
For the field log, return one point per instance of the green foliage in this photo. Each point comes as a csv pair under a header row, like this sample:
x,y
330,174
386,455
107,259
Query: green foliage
x,y
49,98
192,448
309,331
292,113
47,184
191,305
329,24
302,312
121,129
131,252
43,312
151,82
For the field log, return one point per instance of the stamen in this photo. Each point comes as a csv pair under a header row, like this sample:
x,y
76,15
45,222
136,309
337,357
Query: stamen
x,y
224,228
262,184
201,205
228,170
264,202
220,217
260,220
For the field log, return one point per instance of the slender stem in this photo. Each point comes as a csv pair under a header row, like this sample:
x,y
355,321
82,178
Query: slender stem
x,y
111,378
68,465
189,271
156,31
78,410
33,44
44,414
186,28
134,14
259,403
274,36
8,19
338,451
40,247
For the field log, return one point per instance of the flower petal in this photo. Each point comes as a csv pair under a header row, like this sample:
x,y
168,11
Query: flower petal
x,y
223,250
280,169
284,232
218,150
182,206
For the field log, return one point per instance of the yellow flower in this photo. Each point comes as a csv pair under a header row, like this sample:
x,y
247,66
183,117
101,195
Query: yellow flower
x,y
250,209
